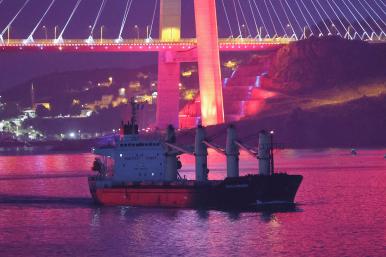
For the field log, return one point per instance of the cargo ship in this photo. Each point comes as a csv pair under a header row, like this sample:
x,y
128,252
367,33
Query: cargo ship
x,y
138,172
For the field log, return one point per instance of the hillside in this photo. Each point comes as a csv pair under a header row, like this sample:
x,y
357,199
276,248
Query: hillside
x,y
320,92
73,83
323,63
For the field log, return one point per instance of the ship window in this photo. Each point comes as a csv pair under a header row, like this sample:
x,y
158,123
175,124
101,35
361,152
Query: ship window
x,y
121,145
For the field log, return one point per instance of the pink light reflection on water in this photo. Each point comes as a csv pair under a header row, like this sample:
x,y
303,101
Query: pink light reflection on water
x,y
341,212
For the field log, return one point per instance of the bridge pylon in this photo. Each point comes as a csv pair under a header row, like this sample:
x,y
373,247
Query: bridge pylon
x,y
208,54
168,67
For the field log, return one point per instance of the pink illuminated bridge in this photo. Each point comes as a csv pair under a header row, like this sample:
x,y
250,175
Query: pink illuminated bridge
x,y
109,45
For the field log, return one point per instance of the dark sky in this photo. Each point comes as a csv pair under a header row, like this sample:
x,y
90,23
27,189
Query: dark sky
x,y
16,67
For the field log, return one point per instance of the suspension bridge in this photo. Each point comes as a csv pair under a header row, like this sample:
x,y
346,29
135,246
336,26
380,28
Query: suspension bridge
x,y
246,25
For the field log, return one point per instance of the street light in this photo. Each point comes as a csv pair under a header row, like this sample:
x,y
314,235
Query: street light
x,y
8,34
137,30
102,27
90,30
56,28
45,32
243,30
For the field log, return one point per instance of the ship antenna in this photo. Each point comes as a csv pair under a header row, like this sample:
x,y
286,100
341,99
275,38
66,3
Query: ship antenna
x,y
271,153
133,111
134,115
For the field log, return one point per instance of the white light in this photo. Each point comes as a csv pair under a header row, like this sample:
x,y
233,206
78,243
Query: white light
x,y
121,155
72,135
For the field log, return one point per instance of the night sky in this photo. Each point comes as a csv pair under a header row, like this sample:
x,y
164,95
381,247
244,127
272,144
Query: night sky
x,y
16,67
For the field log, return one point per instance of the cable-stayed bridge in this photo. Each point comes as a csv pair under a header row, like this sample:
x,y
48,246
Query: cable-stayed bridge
x,y
222,25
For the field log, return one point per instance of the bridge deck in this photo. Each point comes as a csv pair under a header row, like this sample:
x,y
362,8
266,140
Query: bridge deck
x,y
110,45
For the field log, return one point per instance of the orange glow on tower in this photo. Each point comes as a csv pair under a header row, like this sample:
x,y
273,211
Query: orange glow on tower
x,y
168,68
208,53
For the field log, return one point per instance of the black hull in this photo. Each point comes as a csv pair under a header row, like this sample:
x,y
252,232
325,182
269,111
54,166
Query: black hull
x,y
249,191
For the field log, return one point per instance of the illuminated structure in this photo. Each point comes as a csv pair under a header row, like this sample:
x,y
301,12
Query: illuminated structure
x,y
168,68
32,96
205,49
208,53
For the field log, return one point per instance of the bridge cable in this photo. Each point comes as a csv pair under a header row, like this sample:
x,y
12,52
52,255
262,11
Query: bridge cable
x,y
14,18
348,21
270,17
126,13
227,18
304,17
245,20
152,20
328,17
383,3
380,7
379,17
30,37
60,37
289,21
337,16
376,23
364,31
262,20
371,28
297,21
237,18
309,13
102,6
254,19
277,17
321,17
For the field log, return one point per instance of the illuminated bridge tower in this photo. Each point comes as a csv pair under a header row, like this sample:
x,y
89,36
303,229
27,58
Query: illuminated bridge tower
x,y
168,67
207,55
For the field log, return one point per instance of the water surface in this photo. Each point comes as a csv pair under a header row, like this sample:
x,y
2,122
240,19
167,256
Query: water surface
x,y
46,210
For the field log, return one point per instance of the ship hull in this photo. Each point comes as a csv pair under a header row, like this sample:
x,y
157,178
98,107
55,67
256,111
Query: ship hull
x,y
241,192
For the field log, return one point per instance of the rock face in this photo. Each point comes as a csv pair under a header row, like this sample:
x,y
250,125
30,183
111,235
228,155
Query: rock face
x,y
322,63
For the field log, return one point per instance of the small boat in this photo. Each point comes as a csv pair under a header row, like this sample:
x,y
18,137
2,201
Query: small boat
x,y
354,151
